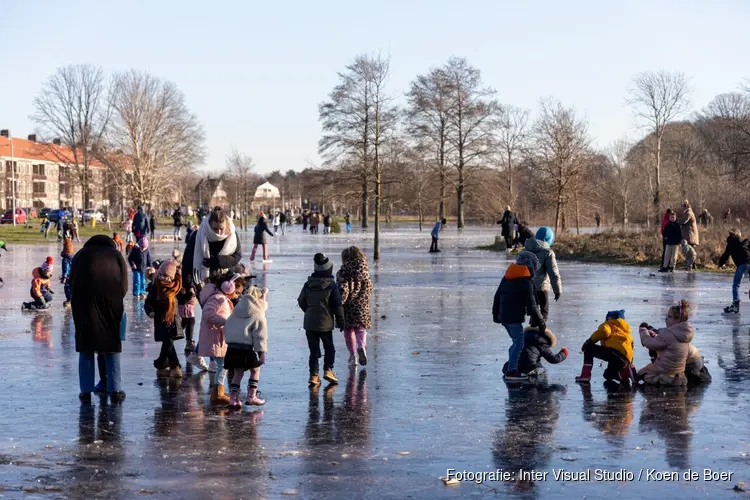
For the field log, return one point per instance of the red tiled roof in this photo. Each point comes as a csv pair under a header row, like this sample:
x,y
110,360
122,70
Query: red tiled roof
x,y
30,150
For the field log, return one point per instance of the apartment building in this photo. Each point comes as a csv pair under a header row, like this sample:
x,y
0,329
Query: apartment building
x,y
43,175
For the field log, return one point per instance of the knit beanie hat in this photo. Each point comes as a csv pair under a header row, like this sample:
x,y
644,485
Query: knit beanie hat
x,y
545,234
322,263
176,255
168,269
47,266
143,243
528,259
616,314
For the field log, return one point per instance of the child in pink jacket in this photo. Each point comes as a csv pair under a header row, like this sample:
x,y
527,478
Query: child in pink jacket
x,y
216,299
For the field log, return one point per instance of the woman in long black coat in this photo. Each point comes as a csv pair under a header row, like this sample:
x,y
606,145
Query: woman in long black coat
x,y
259,237
98,283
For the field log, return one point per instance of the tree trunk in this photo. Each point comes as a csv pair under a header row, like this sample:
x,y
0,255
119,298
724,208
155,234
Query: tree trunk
x,y
419,210
364,204
376,249
558,210
441,206
460,200
657,172
578,216
510,179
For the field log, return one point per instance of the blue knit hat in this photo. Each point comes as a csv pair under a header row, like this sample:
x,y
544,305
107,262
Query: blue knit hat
x,y
616,314
528,259
545,234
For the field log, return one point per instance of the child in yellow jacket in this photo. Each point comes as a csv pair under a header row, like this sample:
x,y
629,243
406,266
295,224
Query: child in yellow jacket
x,y
616,349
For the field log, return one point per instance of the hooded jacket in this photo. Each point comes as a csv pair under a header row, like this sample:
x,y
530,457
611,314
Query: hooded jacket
x,y
140,224
177,218
615,334
537,345
672,345
216,310
320,299
508,222
514,298
738,250
524,234
260,231
39,284
247,328
141,259
98,283
548,272
672,233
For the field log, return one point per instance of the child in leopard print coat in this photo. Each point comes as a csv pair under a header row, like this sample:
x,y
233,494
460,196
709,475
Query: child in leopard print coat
x,y
356,289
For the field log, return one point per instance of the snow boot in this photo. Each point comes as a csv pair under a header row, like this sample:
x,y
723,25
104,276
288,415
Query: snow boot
x,y
234,398
218,397
314,380
175,372
628,374
663,270
252,397
329,376
585,375
733,309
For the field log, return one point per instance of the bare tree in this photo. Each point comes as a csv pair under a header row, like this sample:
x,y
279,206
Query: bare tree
x,y
562,147
658,98
511,135
239,168
429,112
724,126
72,107
624,174
472,110
153,137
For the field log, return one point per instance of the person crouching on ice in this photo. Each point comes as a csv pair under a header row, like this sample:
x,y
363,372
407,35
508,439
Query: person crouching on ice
x,y
514,300
616,349
40,288
537,345
671,346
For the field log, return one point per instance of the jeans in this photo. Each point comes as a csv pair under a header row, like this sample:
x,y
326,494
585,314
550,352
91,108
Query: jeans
x,y
167,356
670,257
348,227
313,342
128,237
434,246
221,374
283,228
86,371
738,274
139,283
46,296
66,261
176,233
515,331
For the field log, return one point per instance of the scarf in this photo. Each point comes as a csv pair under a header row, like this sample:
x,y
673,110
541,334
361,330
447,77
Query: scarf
x,y
168,292
205,236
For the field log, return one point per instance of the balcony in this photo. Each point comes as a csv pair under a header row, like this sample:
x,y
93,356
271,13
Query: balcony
x,y
39,177
39,194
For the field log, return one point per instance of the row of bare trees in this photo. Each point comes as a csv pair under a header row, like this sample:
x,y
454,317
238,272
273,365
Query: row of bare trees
x,y
136,124
452,135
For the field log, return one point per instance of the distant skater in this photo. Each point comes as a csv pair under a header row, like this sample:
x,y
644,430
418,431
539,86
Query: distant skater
x,y
439,225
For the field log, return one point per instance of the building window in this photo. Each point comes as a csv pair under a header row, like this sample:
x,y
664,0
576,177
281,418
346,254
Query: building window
x,y
39,188
38,169
9,169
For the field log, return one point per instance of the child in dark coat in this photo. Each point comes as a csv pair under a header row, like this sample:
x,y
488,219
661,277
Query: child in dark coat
x,y
67,260
537,345
672,234
161,305
320,299
139,260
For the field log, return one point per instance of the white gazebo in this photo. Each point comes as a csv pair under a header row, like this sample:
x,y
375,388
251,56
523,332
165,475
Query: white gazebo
x,y
266,197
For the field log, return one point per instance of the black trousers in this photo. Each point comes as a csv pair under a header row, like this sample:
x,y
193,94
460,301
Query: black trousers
x,y
615,360
434,246
313,342
188,324
542,299
168,356
508,241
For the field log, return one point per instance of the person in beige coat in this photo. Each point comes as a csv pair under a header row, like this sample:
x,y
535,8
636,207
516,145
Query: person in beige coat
x,y
690,236
672,346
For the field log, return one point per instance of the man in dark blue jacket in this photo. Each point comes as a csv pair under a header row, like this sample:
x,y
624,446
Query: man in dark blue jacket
x,y
140,224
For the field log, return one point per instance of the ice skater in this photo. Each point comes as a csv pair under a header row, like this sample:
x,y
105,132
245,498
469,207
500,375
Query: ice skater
x,y
348,220
67,260
436,229
616,349
259,238
41,291
739,250
321,301
514,300
246,334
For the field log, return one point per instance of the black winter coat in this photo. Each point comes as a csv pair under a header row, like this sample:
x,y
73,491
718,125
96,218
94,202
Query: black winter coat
x,y
672,233
261,228
537,345
524,233
738,250
218,262
177,218
140,224
159,308
508,222
514,298
320,299
98,283
152,223
141,259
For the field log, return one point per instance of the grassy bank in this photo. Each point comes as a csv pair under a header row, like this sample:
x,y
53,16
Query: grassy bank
x,y
636,248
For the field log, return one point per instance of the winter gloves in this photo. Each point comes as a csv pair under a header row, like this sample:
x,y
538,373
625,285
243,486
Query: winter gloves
x,y
564,352
586,345
557,296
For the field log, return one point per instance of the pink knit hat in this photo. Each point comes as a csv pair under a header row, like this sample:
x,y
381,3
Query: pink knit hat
x,y
143,243
168,269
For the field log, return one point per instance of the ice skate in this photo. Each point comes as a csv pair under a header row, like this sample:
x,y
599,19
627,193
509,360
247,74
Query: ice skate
x,y
734,308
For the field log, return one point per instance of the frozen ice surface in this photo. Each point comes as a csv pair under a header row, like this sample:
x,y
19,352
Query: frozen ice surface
x,y
432,388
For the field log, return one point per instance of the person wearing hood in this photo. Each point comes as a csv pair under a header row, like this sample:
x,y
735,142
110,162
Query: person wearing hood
x,y
259,237
320,300
537,345
246,334
739,250
690,236
672,347
140,224
508,226
523,235
514,300
99,283
211,251
672,236
616,349
139,259
548,275
161,305
41,291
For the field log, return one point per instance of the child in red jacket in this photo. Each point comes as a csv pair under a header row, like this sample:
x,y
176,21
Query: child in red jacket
x,y
40,288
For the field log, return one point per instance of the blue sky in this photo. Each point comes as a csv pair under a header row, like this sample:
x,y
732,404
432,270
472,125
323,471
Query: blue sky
x,y
254,72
